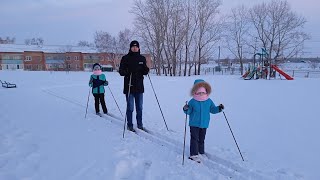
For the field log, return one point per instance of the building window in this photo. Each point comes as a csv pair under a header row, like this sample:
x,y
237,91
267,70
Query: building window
x,y
76,58
28,67
68,58
77,66
28,58
15,57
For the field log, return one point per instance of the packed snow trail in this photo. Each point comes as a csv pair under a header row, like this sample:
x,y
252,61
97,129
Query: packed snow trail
x,y
223,167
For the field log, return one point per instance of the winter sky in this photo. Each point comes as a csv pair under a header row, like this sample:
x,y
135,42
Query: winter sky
x,y
68,21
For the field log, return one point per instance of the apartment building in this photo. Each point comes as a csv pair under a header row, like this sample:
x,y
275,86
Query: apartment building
x,y
52,58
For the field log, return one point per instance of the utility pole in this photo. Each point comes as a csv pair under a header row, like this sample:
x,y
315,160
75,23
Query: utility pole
x,y
219,55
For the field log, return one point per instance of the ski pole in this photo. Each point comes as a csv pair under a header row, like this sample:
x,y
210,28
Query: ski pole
x,y
85,116
184,138
115,101
158,103
233,135
125,119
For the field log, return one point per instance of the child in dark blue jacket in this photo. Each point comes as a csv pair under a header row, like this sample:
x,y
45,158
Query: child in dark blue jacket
x,y
199,109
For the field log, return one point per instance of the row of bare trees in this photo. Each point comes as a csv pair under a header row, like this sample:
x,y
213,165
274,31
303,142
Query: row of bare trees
x,y
181,34
272,26
30,41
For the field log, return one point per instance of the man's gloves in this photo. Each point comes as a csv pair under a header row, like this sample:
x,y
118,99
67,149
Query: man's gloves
x,y
221,107
124,72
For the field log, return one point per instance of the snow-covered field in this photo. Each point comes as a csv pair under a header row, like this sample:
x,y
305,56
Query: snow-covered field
x,y
44,133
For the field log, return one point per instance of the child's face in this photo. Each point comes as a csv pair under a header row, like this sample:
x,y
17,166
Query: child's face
x,y
201,92
96,68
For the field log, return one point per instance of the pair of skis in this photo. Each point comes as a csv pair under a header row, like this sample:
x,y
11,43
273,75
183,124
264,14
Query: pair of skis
x,y
115,117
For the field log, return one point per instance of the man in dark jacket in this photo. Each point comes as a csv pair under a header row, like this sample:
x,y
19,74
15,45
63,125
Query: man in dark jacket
x,y
133,66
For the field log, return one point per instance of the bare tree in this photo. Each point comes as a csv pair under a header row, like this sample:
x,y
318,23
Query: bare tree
x,y
237,32
103,41
7,40
279,29
151,20
209,29
34,41
115,47
85,44
121,45
124,39
191,24
27,42
174,34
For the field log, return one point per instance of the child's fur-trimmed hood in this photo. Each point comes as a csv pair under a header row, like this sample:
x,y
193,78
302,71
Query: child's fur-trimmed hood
x,y
200,83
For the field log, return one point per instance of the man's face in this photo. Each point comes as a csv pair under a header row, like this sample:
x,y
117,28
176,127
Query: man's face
x,y
134,49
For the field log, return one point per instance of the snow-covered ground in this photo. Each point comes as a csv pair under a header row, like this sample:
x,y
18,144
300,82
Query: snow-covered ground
x,y
44,133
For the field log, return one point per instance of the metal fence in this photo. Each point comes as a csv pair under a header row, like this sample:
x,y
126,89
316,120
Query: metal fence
x,y
303,73
218,70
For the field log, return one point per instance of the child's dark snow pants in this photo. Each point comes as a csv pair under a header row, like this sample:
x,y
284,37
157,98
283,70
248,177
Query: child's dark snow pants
x,y
197,140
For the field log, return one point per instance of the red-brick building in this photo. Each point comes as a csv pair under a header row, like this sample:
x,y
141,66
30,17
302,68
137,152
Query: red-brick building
x,y
34,61
48,58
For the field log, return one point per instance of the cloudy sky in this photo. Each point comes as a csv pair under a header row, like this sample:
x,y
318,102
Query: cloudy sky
x,y
68,21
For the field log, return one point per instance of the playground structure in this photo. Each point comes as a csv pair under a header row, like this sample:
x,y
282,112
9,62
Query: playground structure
x,y
281,72
261,71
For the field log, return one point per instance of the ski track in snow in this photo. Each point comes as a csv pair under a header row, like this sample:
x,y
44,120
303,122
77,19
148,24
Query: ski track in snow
x,y
124,166
82,171
12,145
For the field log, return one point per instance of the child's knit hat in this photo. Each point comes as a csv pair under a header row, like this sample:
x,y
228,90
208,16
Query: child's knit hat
x,y
96,64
